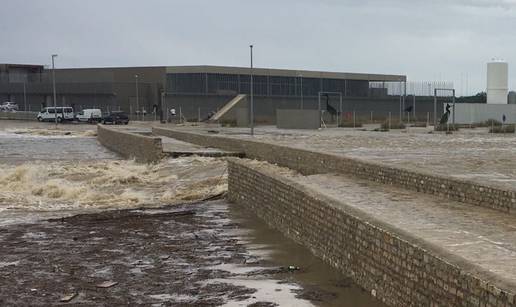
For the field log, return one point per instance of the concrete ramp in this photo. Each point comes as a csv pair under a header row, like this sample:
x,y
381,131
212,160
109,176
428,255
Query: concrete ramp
x,y
230,105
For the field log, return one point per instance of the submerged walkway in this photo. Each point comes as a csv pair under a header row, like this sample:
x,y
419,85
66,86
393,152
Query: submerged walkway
x,y
176,148
484,237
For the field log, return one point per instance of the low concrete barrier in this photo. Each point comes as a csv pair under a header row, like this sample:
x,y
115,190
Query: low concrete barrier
x,y
131,145
312,162
392,265
19,115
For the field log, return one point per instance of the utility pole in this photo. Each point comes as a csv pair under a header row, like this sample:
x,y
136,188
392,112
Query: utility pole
x,y
24,97
252,93
54,87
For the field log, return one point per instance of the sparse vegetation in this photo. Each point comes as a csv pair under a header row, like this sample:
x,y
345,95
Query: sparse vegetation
x,y
394,125
488,123
502,129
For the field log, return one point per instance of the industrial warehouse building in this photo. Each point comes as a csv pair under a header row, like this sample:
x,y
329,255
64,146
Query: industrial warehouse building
x,y
200,90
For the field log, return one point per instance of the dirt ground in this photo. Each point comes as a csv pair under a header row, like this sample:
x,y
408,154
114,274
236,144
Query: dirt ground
x,y
168,256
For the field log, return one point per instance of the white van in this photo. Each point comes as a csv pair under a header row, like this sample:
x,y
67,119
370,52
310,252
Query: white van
x,y
49,114
89,115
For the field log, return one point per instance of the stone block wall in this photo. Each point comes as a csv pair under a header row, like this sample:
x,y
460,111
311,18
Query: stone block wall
x,y
145,149
393,266
312,162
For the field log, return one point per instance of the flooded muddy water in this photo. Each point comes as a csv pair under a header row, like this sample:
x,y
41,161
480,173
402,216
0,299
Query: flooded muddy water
x,y
321,284
79,225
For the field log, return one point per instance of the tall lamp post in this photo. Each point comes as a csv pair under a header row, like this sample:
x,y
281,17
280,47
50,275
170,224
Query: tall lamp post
x,y
24,97
137,96
54,87
252,94
301,79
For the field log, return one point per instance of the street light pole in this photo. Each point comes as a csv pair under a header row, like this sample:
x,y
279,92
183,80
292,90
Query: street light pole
x,y
24,97
252,93
301,79
137,96
54,86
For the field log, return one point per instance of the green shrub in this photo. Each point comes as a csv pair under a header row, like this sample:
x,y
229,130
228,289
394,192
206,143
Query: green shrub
x,y
502,129
488,123
394,125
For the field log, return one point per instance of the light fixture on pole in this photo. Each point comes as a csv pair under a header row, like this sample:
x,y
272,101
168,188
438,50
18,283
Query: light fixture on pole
x,y
252,93
137,96
54,86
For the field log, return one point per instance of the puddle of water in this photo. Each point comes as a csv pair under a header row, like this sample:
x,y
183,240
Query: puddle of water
x,y
266,291
319,279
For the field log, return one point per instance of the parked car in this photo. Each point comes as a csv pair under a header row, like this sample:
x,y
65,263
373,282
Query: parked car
x,y
49,114
116,118
89,115
9,106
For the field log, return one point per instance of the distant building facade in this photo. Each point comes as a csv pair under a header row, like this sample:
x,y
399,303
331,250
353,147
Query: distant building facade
x,y
196,91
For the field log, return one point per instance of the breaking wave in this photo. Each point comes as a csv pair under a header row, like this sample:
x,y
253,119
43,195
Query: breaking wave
x,y
106,184
60,132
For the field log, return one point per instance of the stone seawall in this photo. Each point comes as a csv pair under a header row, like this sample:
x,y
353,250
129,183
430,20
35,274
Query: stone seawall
x,y
394,266
131,145
312,162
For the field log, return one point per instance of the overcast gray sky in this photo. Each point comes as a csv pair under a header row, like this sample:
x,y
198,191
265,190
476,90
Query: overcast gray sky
x,y
426,40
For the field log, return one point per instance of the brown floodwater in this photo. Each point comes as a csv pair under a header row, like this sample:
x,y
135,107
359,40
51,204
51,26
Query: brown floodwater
x,y
49,173
322,284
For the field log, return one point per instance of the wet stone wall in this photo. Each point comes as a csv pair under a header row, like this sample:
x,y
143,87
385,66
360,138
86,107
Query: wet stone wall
x,y
312,162
142,148
392,265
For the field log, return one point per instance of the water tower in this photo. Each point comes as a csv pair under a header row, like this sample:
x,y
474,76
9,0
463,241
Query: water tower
x,y
497,82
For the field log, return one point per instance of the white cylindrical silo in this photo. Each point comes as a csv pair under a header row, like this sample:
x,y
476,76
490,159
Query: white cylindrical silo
x,y
497,82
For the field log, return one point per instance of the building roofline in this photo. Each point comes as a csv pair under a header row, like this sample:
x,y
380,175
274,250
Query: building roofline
x,y
245,71
285,73
111,67
22,65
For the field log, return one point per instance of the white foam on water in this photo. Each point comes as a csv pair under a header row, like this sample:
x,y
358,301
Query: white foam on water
x,y
108,184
